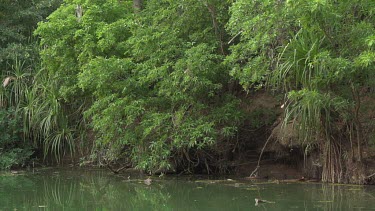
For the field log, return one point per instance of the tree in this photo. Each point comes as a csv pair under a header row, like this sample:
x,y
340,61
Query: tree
x,y
137,4
319,53
159,86
19,61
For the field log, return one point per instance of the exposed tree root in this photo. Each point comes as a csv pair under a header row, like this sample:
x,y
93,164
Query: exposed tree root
x,y
253,174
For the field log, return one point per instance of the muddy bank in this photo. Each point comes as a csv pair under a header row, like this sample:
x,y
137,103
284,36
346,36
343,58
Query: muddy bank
x,y
291,163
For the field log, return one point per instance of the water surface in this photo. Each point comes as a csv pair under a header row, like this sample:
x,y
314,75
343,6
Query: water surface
x,y
78,189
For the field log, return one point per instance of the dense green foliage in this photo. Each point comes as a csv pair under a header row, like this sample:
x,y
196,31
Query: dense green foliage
x,y
13,150
19,62
321,53
18,21
158,85
155,85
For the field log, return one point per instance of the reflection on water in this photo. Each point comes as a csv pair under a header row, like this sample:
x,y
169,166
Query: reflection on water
x,y
64,189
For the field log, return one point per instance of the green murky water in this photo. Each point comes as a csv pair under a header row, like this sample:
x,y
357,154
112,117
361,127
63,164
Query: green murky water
x,y
68,189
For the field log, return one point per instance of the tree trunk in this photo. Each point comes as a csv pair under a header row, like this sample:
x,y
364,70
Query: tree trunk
x,y
218,31
137,5
357,122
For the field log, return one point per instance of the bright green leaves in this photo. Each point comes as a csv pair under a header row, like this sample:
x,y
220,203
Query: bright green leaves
x,y
320,52
70,43
257,28
366,59
154,84
305,62
198,73
156,76
322,31
311,112
102,75
112,38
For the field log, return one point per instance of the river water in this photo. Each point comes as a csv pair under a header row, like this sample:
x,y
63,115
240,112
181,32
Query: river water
x,y
90,189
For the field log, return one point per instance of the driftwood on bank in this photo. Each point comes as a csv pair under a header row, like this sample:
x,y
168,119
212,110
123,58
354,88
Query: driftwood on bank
x,y
260,201
369,176
116,171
